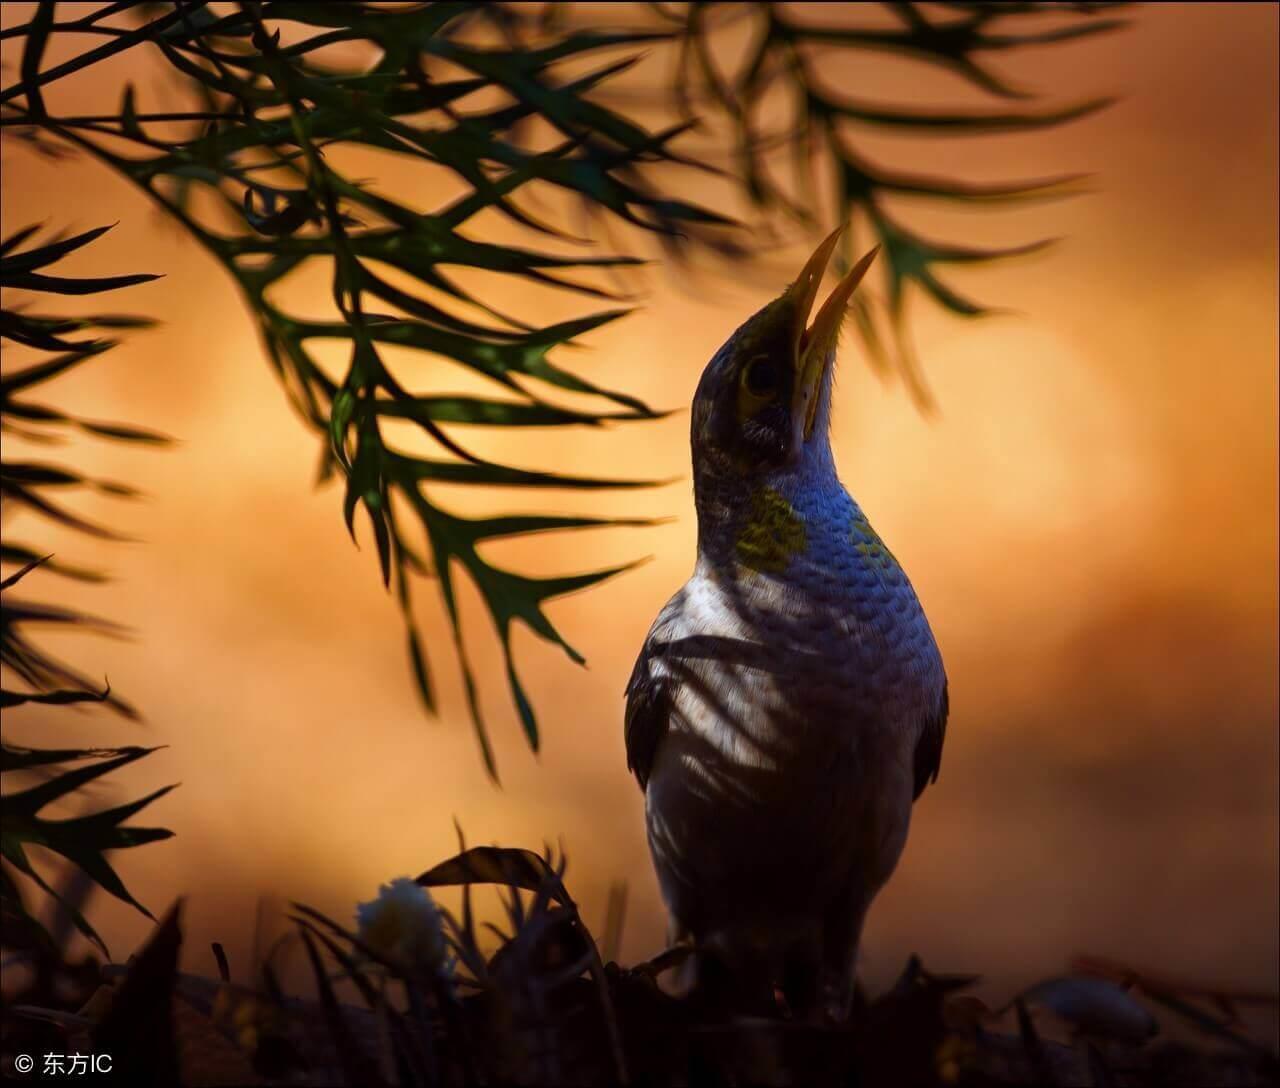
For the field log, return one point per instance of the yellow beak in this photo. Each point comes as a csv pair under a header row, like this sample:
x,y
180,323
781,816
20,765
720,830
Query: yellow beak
x,y
813,346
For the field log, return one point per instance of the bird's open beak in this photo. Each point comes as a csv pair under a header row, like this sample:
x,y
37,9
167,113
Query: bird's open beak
x,y
813,344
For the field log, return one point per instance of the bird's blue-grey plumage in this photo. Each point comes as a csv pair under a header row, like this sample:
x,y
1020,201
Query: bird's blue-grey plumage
x,y
789,702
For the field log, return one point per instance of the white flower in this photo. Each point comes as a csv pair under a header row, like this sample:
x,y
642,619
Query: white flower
x,y
403,925
1095,1006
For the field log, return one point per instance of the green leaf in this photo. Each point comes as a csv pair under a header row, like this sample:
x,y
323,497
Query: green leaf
x,y
129,114
344,405
498,865
18,758
30,801
81,840
44,333
51,368
51,698
137,1029
31,474
17,576
31,259
965,123
15,491
19,553
421,469
475,410
32,52
421,675
522,524
356,1065
124,433
17,238
62,285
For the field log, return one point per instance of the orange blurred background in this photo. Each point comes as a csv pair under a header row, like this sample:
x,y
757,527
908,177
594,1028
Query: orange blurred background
x,y
1091,523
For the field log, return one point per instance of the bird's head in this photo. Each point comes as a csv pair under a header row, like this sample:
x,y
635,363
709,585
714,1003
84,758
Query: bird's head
x,y
762,407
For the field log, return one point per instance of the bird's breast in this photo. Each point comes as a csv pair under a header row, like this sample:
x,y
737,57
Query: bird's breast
x,y
801,669
821,640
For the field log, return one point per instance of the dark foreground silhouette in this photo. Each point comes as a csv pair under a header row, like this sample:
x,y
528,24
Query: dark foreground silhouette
x,y
412,1000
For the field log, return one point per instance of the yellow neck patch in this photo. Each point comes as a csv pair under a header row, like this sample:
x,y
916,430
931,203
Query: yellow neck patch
x,y
867,543
772,533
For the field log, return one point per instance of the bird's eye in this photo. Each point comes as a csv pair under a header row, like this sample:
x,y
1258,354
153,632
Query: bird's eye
x,y
761,378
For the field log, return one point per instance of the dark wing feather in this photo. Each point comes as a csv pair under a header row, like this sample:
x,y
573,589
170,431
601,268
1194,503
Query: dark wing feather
x,y
929,746
648,713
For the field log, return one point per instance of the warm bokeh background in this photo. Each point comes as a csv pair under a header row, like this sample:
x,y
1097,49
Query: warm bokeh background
x,y
1091,524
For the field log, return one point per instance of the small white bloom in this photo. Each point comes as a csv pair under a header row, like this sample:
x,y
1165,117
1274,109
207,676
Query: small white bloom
x,y
403,925
1094,1006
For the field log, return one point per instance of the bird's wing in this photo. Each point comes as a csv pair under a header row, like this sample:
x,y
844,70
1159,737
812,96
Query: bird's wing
x,y
649,697
929,747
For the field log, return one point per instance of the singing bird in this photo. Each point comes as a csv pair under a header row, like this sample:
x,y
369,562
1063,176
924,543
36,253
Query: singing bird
x,y
789,703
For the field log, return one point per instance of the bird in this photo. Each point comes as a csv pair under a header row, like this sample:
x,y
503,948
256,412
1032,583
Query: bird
x,y
789,703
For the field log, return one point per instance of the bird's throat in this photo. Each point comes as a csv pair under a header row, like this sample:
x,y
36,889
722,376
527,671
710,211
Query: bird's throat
x,y
770,534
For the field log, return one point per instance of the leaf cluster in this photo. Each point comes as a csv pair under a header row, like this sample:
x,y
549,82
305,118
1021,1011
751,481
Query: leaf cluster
x,y
791,58
263,146
61,775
